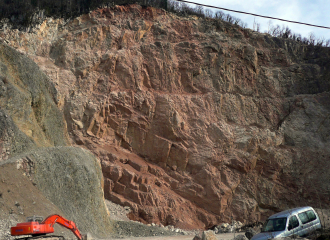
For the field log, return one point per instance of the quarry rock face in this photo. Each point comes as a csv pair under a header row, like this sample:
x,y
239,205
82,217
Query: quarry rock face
x,y
27,103
194,121
39,174
71,179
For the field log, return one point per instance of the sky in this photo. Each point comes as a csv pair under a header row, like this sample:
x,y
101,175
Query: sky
x,y
315,12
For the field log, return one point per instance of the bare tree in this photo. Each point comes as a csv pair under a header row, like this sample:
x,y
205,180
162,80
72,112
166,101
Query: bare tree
x,y
199,10
327,43
208,13
219,15
311,38
256,26
242,24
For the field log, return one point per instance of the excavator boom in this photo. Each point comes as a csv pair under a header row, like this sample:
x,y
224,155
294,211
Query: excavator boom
x,y
51,220
45,227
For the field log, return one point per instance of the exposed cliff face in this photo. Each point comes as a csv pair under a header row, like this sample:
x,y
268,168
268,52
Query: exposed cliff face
x,y
70,178
194,120
26,98
39,174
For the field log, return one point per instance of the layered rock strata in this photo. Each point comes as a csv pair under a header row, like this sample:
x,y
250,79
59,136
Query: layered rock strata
x,y
195,121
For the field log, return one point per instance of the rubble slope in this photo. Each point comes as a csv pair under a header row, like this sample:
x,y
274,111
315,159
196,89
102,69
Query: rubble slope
x,y
40,174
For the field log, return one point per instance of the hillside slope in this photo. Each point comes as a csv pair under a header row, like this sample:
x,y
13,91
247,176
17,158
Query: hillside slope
x,y
40,174
194,120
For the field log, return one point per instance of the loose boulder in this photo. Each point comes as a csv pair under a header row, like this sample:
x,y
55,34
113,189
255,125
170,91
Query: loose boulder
x,y
250,232
209,235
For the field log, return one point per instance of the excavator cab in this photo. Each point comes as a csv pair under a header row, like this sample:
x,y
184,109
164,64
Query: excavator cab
x,y
34,218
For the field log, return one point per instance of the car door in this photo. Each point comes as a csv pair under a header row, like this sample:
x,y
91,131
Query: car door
x,y
293,226
306,223
313,222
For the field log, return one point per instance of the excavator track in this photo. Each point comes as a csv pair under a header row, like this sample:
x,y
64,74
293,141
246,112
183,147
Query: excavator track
x,y
44,237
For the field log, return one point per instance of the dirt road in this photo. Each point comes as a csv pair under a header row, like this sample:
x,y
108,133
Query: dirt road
x,y
223,236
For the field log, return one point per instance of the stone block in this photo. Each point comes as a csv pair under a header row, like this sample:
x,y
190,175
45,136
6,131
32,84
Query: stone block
x,y
108,187
119,188
178,157
136,136
133,195
156,148
128,177
144,188
209,235
139,165
112,171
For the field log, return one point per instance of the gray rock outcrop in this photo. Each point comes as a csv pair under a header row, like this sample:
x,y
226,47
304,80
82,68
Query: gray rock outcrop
x,y
71,178
39,174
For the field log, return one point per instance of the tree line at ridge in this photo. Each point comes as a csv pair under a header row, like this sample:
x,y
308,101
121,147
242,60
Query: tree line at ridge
x,y
25,13
21,12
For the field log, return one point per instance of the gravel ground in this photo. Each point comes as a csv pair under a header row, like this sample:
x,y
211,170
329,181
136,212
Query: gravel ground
x,y
223,236
5,225
123,226
117,212
126,228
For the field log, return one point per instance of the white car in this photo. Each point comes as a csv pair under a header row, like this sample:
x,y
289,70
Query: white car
x,y
298,221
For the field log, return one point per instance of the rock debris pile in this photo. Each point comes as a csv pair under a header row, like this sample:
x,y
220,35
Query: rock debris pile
x,y
236,226
5,225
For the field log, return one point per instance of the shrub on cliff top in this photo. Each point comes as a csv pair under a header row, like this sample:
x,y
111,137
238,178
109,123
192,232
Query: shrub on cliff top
x,y
22,12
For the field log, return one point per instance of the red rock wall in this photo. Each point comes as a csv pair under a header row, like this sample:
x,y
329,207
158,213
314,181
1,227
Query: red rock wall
x,y
194,120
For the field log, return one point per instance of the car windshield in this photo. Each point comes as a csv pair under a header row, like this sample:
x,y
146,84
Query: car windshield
x,y
273,225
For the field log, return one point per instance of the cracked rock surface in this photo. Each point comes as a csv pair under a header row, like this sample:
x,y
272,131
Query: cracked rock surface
x,y
193,121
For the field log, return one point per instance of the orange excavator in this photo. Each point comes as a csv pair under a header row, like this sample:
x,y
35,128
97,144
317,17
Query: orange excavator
x,y
36,226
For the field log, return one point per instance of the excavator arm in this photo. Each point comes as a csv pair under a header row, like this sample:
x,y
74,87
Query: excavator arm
x,y
52,219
